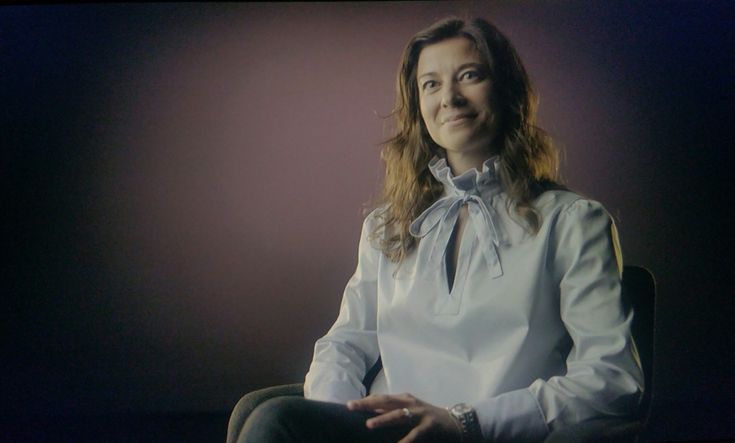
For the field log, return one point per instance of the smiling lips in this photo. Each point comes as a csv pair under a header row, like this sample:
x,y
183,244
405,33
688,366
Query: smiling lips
x,y
457,118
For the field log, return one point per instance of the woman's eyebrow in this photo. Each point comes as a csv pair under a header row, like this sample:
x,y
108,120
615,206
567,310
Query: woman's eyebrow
x,y
470,65
461,67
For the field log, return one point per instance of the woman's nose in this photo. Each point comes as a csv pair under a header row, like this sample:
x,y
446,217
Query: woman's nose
x,y
451,96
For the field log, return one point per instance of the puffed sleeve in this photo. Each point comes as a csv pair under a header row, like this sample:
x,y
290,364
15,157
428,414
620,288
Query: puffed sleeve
x,y
350,348
603,376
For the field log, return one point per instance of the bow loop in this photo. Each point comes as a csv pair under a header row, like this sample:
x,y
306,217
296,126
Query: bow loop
x,y
428,219
441,217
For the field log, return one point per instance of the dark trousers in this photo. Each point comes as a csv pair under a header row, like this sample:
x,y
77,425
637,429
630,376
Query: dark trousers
x,y
281,414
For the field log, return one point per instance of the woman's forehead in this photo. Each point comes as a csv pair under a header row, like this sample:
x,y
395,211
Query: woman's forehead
x,y
447,55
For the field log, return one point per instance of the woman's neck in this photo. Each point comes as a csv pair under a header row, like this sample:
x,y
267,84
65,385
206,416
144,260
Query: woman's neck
x,y
461,162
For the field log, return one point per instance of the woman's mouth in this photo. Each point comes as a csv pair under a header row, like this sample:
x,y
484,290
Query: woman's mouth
x,y
458,119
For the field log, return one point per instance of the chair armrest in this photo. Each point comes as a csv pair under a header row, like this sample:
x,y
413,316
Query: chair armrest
x,y
249,402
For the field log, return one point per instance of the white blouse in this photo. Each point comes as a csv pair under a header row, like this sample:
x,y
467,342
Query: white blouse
x,y
532,333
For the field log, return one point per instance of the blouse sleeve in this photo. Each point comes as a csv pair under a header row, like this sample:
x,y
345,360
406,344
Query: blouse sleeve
x,y
603,376
350,348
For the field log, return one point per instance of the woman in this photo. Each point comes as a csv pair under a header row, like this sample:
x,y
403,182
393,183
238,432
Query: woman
x,y
490,293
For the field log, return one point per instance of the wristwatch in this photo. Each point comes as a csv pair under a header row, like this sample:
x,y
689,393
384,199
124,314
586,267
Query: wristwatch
x,y
467,417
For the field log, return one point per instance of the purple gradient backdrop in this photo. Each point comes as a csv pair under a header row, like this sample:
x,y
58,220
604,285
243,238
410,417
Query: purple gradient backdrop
x,y
189,180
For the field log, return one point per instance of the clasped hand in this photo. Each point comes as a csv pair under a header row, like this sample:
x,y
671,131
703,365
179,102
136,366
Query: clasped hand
x,y
429,422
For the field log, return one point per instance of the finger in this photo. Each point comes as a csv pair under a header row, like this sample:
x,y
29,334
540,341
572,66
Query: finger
x,y
373,402
376,401
415,434
392,418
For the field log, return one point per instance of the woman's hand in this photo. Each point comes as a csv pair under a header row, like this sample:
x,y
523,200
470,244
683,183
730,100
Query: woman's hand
x,y
428,421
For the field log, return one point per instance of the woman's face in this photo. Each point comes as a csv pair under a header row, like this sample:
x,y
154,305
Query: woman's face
x,y
454,97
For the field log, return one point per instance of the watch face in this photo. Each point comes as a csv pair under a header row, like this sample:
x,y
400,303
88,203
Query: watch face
x,y
461,409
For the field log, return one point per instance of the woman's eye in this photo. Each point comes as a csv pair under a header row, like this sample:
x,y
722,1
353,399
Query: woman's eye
x,y
429,84
469,75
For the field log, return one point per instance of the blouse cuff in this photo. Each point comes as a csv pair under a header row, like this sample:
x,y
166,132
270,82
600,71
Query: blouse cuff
x,y
335,391
512,416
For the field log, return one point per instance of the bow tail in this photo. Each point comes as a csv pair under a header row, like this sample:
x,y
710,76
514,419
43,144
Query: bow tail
x,y
490,251
487,237
444,234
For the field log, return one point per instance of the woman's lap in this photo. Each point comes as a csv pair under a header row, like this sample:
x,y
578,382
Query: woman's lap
x,y
296,419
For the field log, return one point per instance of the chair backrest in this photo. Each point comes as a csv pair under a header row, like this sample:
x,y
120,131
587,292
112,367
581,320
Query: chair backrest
x,y
639,292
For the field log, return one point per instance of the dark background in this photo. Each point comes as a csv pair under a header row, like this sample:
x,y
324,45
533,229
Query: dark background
x,y
183,187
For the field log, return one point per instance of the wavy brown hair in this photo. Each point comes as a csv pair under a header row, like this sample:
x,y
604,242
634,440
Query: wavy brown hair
x,y
528,160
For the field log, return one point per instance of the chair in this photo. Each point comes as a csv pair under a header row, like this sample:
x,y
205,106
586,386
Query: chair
x,y
639,292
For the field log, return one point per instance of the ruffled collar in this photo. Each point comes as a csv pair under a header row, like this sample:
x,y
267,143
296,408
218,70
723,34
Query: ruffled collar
x,y
471,181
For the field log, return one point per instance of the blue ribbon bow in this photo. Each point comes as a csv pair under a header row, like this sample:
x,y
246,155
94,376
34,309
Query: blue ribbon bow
x,y
442,216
